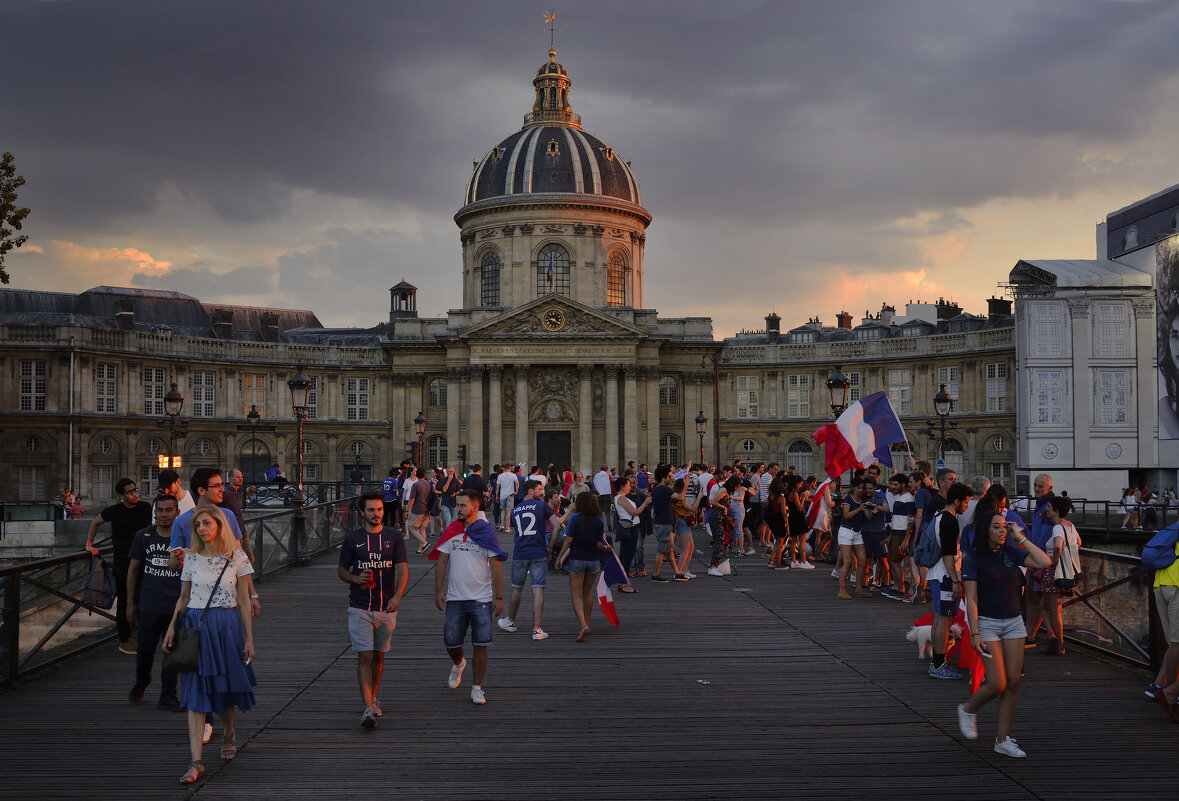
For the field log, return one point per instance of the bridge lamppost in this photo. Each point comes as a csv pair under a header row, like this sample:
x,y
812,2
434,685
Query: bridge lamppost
x,y
173,403
300,385
704,360
837,387
252,417
942,404
701,428
419,423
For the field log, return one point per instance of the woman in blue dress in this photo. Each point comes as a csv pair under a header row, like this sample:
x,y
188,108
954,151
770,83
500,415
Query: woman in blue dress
x,y
224,677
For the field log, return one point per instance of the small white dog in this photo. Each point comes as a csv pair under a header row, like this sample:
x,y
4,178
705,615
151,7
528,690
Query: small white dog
x,y
923,634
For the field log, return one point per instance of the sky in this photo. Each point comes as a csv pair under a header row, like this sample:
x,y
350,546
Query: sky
x,y
797,157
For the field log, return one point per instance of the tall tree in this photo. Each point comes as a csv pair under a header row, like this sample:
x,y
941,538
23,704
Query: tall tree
x,y
11,217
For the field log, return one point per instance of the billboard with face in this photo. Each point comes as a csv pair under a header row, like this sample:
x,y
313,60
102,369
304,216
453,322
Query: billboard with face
x,y
1166,256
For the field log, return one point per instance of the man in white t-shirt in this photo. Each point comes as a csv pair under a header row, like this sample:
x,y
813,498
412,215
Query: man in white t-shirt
x,y
506,487
605,489
468,587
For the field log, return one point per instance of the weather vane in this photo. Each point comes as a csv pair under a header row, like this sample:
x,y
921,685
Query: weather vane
x,y
550,18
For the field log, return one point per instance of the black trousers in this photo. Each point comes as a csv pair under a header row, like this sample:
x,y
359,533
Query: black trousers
x,y
152,628
121,622
626,545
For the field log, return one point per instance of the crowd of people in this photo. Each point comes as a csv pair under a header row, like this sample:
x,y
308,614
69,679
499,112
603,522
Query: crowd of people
x,y
991,572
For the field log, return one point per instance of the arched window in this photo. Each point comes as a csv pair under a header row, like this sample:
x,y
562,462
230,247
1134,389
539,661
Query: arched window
x,y
616,279
954,457
357,448
489,279
669,449
438,392
669,392
801,457
436,451
552,270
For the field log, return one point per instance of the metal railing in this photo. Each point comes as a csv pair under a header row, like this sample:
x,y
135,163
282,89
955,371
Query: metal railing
x,y
1107,515
40,599
1113,610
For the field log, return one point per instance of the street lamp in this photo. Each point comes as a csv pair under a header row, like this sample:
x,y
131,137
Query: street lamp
x,y
701,427
837,386
173,403
252,417
704,360
300,386
419,423
942,403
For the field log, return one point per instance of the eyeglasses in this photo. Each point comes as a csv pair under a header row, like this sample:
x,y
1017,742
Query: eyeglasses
x,y
131,491
215,486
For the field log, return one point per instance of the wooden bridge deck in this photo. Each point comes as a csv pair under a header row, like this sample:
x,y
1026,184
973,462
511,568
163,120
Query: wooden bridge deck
x,y
810,697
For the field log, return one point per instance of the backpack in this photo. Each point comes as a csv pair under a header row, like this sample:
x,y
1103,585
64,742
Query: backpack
x,y
1159,551
928,548
100,588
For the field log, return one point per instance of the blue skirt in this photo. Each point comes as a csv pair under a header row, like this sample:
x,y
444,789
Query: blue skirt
x,y
220,680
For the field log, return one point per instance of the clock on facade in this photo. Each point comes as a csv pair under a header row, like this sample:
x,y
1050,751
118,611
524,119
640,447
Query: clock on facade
x,y
1049,451
553,319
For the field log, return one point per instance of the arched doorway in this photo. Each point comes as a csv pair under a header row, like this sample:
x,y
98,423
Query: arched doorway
x,y
253,460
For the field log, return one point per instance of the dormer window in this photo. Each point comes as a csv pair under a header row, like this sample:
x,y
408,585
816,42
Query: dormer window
x,y
801,337
553,148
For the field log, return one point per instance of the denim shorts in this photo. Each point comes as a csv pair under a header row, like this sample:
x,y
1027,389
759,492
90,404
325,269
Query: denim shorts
x,y
588,566
461,615
681,525
371,631
535,569
662,538
993,629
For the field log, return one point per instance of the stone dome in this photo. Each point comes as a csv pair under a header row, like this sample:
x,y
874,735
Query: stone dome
x,y
551,154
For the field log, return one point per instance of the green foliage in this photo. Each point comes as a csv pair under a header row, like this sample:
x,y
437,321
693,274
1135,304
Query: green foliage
x,y
11,217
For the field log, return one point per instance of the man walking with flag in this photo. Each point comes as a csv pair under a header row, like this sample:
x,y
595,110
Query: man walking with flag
x,y
468,587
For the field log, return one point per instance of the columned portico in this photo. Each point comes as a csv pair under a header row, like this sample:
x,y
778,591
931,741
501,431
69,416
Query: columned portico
x,y
611,414
585,420
495,407
652,415
630,414
454,404
475,446
522,432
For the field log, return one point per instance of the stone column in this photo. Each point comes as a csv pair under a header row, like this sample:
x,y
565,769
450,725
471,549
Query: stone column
x,y
692,406
1146,389
475,452
495,409
521,452
396,414
652,445
454,404
612,416
1082,380
630,414
585,419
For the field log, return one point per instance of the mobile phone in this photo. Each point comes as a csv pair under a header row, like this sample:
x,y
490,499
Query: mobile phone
x,y
984,650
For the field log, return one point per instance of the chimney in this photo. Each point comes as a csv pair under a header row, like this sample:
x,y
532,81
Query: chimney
x,y
845,320
125,316
773,327
888,314
269,327
998,307
223,323
947,309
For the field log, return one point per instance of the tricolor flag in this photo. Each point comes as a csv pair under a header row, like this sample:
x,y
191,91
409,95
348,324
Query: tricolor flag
x,y
870,425
968,658
549,273
812,512
612,573
838,455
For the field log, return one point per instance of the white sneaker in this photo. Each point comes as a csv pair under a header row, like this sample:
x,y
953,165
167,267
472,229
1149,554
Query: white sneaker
x,y
968,723
834,574
795,565
714,571
507,625
456,674
1009,748
539,634
689,575
808,565
749,552
477,696
207,734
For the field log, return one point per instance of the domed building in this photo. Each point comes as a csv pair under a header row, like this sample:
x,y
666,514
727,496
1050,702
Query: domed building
x,y
552,357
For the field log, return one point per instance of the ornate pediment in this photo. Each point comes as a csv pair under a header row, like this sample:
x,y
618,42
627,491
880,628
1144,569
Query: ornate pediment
x,y
553,316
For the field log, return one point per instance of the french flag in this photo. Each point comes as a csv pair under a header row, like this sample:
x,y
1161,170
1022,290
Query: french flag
x,y
870,426
612,573
812,512
549,272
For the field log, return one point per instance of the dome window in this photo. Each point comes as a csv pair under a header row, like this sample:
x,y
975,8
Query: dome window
x,y
497,153
608,152
553,148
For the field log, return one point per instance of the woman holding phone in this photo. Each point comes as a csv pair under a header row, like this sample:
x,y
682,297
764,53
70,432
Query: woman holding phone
x,y
993,582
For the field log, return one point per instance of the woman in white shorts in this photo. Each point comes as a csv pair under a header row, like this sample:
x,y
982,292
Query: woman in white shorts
x,y
993,585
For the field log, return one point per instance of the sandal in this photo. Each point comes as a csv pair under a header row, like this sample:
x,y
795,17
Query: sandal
x,y
583,633
229,747
196,769
626,588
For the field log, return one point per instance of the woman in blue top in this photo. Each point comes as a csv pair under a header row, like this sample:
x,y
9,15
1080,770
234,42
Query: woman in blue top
x,y
993,585
584,541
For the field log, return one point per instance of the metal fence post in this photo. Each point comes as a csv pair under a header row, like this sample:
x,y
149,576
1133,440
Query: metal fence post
x,y
1158,642
10,628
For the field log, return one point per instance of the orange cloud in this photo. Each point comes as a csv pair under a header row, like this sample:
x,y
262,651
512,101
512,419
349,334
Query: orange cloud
x,y
142,261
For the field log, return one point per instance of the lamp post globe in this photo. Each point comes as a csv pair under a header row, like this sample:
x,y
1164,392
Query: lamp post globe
x,y
701,429
300,385
837,386
252,417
